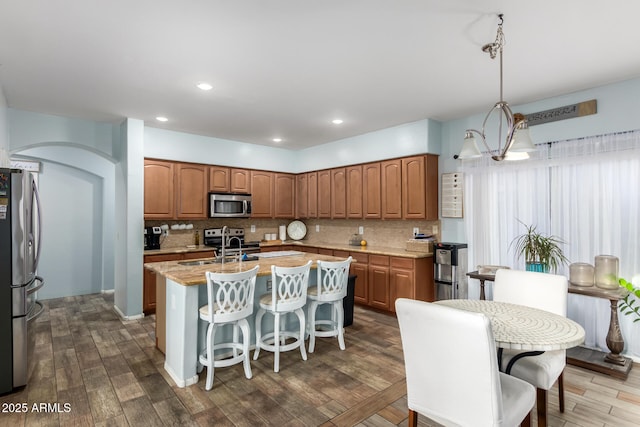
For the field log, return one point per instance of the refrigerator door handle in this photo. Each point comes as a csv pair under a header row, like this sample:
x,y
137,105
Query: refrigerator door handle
x,y
36,287
36,314
34,189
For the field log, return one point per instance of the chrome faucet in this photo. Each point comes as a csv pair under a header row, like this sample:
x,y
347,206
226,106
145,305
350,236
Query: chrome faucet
x,y
224,242
225,231
239,246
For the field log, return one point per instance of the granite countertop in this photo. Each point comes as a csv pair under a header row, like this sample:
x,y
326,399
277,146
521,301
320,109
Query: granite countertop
x,y
178,250
369,249
189,275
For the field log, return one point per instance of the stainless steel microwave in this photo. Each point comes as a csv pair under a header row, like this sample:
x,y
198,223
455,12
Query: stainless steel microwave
x,y
228,205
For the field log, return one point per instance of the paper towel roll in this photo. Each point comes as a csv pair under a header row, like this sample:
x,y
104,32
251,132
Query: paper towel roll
x,y
283,232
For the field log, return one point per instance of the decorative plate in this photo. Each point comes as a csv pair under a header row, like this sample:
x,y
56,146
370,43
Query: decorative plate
x,y
297,230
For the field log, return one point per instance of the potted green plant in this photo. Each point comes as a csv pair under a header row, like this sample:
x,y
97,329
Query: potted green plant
x,y
541,253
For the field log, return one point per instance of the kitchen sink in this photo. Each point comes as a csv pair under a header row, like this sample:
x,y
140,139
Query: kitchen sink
x,y
198,262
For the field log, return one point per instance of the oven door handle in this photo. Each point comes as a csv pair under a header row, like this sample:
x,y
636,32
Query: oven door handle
x,y
37,287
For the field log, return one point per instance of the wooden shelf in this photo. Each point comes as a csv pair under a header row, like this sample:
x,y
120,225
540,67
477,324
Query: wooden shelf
x,y
595,361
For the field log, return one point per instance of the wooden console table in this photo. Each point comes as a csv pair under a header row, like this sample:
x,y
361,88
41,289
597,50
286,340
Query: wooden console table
x,y
482,278
612,363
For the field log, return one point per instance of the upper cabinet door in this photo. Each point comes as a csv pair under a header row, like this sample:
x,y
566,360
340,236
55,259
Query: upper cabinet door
x,y
240,181
371,190
391,179
338,193
431,190
312,206
192,182
159,201
219,179
413,184
354,191
324,193
302,195
284,189
262,196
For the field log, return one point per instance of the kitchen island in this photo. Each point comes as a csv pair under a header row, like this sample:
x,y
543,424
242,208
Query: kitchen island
x,y
180,294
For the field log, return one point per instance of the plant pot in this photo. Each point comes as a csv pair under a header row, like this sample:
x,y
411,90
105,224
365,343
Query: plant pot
x,y
537,267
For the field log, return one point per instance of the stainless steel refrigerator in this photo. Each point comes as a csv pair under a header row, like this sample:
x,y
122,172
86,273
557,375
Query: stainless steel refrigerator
x,y
20,243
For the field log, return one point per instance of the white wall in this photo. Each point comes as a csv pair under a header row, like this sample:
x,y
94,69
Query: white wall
x,y
4,128
618,110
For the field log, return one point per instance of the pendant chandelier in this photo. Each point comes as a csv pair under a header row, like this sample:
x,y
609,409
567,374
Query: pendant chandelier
x,y
517,143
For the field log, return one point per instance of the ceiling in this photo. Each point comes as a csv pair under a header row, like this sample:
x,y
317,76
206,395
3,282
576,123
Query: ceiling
x,y
286,68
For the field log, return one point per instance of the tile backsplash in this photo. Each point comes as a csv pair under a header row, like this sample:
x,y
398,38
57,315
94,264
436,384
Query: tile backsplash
x,y
389,233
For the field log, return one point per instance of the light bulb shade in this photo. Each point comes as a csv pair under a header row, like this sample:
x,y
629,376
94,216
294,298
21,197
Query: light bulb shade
x,y
522,141
516,155
469,148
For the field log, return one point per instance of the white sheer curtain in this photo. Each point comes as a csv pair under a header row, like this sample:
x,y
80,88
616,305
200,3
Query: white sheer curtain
x,y
595,205
584,191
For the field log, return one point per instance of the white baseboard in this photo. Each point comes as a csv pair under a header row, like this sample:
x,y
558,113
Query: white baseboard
x,y
123,317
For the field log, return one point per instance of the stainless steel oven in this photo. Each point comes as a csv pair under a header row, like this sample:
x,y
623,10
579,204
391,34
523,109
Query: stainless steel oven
x,y
450,270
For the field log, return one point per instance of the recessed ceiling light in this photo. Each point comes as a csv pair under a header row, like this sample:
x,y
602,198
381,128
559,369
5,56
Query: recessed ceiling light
x,y
162,119
277,139
337,121
204,86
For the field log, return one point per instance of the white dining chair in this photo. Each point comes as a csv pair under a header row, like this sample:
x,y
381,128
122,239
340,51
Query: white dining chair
x,y
331,288
288,296
547,292
229,302
443,382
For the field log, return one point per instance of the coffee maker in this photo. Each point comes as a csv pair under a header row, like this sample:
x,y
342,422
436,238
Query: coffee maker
x,y
152,238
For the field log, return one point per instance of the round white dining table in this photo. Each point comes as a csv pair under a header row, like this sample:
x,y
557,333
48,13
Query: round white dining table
x,y
519,327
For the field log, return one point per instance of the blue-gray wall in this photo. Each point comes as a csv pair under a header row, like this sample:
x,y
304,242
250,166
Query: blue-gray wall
x,y
95,231
618,110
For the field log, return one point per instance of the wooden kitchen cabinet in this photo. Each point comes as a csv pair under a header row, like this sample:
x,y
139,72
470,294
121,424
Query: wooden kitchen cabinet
x,y
324,193
149,281
431,188
371,191
219,179
379,287
240,181
391,188
338,193
302,195
159,199
360,267
192,182
262,195
420,187
411,278
312,193
285,195
413,184
354,191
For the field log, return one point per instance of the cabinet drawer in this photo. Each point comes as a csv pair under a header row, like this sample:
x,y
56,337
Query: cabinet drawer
x,y
360,257
197,255
323,251
378,260
404,263
162,257
341,254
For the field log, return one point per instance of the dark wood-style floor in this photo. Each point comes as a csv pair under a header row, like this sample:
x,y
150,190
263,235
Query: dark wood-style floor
x,y
108,373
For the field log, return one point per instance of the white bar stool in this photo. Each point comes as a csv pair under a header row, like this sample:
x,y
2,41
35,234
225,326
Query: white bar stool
x,y
330,289
288,295
229,302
